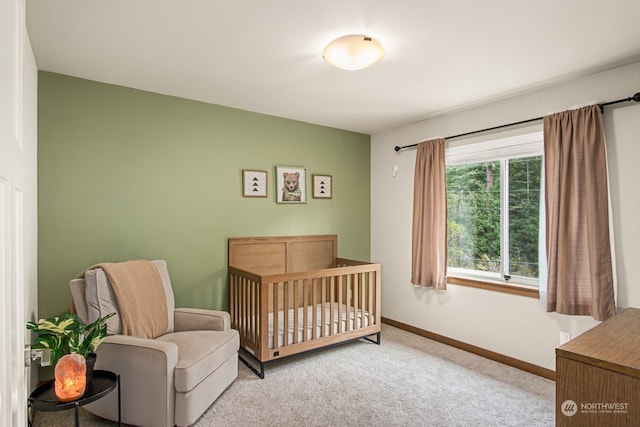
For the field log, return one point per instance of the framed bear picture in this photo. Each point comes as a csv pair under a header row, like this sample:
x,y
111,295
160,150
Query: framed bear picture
x,y
291,184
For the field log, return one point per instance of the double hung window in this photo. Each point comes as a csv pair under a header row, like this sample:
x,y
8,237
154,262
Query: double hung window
x,y
494,223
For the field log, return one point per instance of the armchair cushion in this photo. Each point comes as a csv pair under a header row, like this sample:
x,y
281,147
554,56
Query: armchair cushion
x,y
201,353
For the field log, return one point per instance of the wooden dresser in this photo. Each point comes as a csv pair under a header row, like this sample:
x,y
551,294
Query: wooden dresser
x,y
598,375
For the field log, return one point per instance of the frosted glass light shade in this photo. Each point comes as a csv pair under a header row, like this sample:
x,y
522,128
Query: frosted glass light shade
x,y
353,52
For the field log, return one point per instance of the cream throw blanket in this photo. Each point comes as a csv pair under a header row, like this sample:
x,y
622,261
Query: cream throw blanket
x,y
140,295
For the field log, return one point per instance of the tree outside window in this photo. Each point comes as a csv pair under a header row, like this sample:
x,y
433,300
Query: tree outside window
x,y
493,217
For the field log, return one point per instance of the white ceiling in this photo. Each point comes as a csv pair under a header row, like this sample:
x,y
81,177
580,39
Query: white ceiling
x,y
265,55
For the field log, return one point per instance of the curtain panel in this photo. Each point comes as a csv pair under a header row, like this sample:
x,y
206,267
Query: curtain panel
x,y
429,236
579,262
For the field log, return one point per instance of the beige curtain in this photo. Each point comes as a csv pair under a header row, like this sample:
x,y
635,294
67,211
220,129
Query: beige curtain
x,y
580,277
429,238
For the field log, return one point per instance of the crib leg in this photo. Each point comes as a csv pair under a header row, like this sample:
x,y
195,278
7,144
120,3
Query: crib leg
x,y
253,369
376,341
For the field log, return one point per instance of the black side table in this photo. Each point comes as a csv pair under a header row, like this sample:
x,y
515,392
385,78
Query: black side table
x,y
44,398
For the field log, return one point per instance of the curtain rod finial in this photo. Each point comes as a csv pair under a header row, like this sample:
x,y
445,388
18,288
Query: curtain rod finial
x,y
397,147
636,97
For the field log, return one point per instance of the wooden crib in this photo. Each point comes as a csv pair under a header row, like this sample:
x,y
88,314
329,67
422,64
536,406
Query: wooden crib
x,y
292,294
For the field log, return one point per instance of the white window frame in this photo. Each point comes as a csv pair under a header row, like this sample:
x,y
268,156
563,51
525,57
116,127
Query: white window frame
x,y
502,149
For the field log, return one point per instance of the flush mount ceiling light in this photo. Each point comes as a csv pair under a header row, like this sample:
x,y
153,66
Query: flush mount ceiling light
x,y
353,52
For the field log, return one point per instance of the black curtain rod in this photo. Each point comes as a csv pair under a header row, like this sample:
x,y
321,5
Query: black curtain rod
x,y
635,98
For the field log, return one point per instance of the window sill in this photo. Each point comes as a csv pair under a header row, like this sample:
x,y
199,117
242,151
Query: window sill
x,y
510,288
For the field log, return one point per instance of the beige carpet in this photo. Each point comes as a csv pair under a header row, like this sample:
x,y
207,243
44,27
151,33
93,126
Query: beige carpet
x,y
406,381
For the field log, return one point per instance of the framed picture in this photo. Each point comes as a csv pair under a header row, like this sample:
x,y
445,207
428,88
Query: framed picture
x,y
254,183
291,184
321,186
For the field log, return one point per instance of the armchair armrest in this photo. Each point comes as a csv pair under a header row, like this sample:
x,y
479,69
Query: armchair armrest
x,y
146,367
129,343
197,319
120,353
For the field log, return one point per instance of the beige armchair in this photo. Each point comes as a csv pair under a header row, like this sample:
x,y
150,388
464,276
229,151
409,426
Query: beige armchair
x,y
171,379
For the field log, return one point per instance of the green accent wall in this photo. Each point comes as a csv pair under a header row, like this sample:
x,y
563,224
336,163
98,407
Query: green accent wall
x,y
127,174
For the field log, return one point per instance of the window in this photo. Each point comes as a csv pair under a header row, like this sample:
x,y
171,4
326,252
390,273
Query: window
x,y
493,209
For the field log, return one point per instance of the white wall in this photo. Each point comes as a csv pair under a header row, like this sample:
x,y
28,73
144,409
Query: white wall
x,y
511,325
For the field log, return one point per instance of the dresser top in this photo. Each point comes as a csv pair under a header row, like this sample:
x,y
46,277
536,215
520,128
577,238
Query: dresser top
x,y
614,344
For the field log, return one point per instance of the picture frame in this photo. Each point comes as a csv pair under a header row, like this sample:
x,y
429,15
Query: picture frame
x,y
322,186
291,184
254,183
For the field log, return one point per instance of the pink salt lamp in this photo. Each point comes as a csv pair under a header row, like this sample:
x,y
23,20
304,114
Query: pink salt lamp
x,y
70,377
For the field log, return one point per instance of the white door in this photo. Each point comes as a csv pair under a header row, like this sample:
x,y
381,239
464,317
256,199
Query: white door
x,y
12,214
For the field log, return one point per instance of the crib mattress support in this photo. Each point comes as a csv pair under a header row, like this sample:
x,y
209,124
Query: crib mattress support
x,y
260,373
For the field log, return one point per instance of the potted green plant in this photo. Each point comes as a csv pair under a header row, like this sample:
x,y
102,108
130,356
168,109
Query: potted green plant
x,y
68,334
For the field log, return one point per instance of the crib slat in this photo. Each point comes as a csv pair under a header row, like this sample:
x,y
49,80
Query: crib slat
x,y
340,293
241,306
276,321
250,314
240,319
233,300
244,305
247,309
285,312
236,302
323,302
305,311
255,313
363,299
349,307
263,337
332,306
314,313
356,295
354,299
349,302
295,311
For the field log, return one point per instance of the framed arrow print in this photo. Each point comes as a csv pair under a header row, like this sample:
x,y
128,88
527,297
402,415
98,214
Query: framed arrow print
x,y
322,186
254,183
